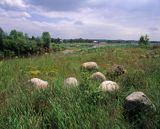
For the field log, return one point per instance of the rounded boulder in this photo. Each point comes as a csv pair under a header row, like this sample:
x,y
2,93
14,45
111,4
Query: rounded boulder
x,y
139,109
98,76
89,66
39,83
71,82
108,86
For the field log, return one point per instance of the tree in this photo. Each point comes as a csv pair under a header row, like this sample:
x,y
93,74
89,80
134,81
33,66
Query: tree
x,y
46,39
144,40
56,40
39,42
19,43
33,38
26,36
2,35
141,40
13,34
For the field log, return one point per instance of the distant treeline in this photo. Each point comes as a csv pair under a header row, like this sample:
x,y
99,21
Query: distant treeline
x,y
80,40
122,41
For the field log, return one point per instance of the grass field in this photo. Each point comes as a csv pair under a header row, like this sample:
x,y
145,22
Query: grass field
x,y
23,107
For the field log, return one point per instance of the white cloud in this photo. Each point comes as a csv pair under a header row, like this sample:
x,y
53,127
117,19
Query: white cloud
x,y
98,20
14,14
13,3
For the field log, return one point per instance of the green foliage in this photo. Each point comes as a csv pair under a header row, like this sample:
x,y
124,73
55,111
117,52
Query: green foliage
x,y
144,40
16,35
2,36
39,42
20,44
57,47
46,39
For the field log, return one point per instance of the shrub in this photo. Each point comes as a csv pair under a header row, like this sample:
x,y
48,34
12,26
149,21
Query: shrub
x,y
8,53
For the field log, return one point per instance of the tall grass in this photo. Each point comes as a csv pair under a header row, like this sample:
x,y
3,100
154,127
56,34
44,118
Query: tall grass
x,y
84,107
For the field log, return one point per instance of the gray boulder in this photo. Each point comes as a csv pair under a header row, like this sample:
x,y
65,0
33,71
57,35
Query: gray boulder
x,y
98,76
137,99
117,70
138,108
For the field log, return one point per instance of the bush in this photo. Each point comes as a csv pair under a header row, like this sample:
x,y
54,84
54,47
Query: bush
x,y
8,53
57,47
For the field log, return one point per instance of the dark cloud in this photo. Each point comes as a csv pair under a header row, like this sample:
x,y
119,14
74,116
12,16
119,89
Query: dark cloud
x,y
154,29
78,23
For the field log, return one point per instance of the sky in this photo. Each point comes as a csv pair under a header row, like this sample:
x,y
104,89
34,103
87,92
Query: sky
x,y
91,19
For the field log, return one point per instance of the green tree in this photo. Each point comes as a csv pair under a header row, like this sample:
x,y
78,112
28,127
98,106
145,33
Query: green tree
x,y
39,42
46,39
2,35
16,35
26,36
144,40
19,41
13,34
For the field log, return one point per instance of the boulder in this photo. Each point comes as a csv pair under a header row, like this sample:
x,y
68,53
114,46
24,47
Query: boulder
x,y
137,104
108,86
71,82
98,76
89,66
38,83
117,70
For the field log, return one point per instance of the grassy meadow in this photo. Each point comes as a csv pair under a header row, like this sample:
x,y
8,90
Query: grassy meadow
x,y
85,107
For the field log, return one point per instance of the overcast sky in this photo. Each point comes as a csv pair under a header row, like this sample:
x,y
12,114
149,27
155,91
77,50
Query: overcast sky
x,y
102,19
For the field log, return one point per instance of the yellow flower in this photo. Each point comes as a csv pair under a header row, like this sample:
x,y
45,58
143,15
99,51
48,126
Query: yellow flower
x,y
35,72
